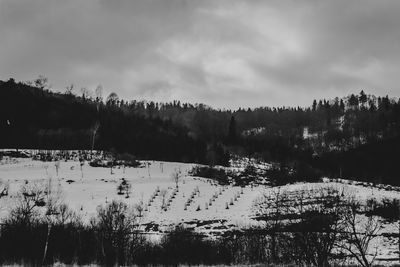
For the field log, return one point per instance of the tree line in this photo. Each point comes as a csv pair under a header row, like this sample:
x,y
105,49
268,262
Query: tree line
x,y
343,133
33,117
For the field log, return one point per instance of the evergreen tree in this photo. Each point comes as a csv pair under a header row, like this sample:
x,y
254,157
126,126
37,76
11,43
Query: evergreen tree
x,y
363,98
232,130
314,105
342,106
353,101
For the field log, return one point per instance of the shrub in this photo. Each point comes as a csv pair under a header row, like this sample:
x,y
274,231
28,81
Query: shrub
x,y
216,174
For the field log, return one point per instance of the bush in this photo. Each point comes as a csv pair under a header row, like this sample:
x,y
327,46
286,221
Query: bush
x,y
183,246
388,209
216,174
297,172
115,224
127,160
100,163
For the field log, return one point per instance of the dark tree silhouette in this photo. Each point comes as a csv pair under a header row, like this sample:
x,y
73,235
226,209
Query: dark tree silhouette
x,y
232,135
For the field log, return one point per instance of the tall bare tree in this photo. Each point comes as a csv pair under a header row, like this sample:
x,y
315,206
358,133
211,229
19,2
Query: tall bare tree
x,y
360,232
273,205
95,128
319,225
116,223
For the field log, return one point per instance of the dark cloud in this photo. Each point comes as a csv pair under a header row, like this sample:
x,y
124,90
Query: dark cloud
x,y
223,53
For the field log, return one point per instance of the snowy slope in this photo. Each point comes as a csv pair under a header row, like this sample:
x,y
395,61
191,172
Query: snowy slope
x,y
210,210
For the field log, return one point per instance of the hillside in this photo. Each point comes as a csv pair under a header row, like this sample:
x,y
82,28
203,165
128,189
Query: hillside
x,y
327,137
35,118
160,204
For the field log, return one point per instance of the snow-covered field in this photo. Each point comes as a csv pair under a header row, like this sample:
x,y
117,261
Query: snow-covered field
x,y
214,208
85,190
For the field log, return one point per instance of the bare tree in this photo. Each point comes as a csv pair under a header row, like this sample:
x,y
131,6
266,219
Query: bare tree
x,y
99,98
303,226
30,198
64,215
176,176
57,165
272,207
41,82
53,202
139,208
319,225
128,189
116,223
163,194
360,232
69,89
95,128
86,93
81,163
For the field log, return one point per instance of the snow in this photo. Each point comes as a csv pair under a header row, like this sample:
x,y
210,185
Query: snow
x,y
95,186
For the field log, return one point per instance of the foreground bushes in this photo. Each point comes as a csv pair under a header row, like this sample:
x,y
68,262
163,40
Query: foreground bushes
x,y
73,243
90,244
67,243
33,237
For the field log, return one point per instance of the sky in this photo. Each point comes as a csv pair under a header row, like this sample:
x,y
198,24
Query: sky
x,y
226,54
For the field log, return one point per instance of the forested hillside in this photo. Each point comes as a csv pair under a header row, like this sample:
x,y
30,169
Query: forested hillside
x,y
36,118
353,137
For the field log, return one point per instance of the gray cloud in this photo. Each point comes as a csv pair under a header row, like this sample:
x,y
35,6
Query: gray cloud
x,y
223,53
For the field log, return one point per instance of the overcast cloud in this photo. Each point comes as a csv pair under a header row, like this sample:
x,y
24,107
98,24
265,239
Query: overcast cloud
x,y
223,53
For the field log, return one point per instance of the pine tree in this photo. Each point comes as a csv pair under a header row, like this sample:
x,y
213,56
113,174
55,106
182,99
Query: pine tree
x,y
314,105
362,98
342,106
353,101
232,130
